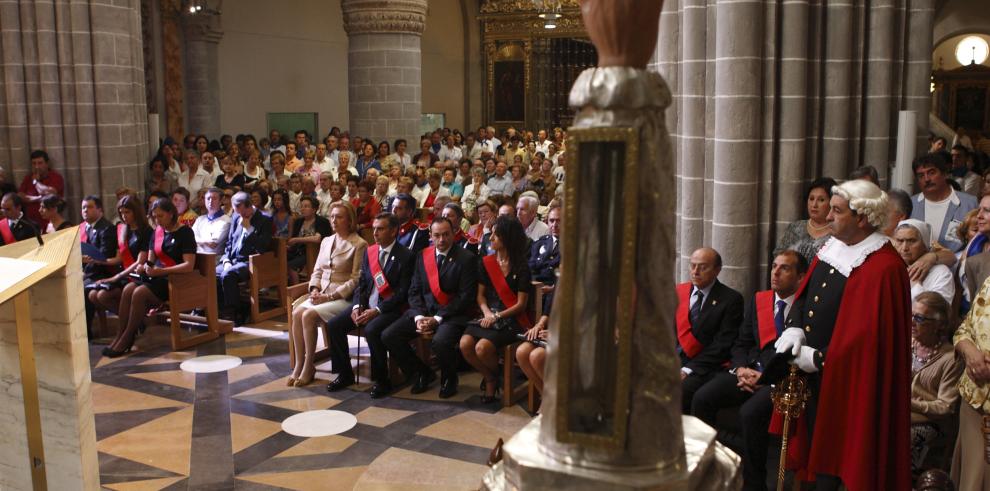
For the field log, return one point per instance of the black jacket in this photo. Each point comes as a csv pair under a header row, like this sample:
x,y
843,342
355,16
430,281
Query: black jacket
x,y
103,236
746,351
458,278
398,269
259,241
544,259
25,229
716,329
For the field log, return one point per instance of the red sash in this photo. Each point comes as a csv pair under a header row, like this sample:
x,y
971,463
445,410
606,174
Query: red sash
x,y
505,294
430,198
689,343
381,283
125,252
165,259
6,233
764,317
83,237
433,275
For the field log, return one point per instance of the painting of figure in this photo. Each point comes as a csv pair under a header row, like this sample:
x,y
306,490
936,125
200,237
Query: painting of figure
x,y
510,92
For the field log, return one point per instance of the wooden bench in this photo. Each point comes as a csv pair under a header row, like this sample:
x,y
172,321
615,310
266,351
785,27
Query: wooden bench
x,y
195,290
268,270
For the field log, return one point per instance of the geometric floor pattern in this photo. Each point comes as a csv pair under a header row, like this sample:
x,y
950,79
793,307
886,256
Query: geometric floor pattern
x,y
159,427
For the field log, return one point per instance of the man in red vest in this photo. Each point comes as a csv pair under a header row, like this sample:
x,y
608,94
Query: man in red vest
x,y
14,226
762,324
707,323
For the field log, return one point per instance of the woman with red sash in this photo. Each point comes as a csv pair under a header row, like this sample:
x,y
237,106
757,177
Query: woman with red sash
x,y
133,240
173,250
503,292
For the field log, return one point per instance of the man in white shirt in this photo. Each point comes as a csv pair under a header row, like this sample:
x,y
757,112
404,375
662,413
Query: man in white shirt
x,y
938,204
323,159
195,177
449,151
472,147
212,228
526,212
344,148
495,142
542,144
323,192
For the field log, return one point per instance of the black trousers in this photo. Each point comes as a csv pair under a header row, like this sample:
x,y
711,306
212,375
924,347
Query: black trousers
x,y
340,325
755,411
445,344
689,386
229,293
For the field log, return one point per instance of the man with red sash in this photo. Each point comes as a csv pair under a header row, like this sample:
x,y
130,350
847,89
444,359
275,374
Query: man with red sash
x,y
98,232
14,226
379,300
850,330
707,323
454,213
754,348
412,235
442,298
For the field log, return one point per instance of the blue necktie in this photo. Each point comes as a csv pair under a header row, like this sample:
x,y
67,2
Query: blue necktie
x,y
696,308
778,319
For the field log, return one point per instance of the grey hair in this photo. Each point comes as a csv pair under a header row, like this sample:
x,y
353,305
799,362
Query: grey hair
x,y
866,199
531,202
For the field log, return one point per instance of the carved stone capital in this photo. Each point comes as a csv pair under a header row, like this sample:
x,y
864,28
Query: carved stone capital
x,y
384,16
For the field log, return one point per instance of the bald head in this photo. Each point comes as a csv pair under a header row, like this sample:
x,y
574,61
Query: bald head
x,y
706,263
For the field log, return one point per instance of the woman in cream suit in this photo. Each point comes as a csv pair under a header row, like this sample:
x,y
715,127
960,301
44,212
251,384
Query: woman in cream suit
x,y
334,278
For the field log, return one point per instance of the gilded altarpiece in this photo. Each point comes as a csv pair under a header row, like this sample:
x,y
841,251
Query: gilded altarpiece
x,y
961,97
529,69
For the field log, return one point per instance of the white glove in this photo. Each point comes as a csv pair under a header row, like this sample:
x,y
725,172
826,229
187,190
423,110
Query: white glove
x,y
792,339
805,360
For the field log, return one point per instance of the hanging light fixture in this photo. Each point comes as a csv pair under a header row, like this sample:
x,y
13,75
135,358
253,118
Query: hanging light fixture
x,y
195,7
549,12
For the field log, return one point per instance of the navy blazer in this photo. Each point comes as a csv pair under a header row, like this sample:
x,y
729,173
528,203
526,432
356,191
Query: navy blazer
x,y
398,269
458,278
716,328
544,259
259,241
25,229
103,236
415,239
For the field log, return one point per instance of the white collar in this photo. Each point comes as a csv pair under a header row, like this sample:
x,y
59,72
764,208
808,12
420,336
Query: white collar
x,y
953,197
789,300
387,249
704,291
845,258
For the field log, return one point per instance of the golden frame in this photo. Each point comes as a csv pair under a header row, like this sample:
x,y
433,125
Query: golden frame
x,y
625,304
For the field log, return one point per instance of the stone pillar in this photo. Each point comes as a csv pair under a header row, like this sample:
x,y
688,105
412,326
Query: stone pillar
x,y
73,84
384,67
202,36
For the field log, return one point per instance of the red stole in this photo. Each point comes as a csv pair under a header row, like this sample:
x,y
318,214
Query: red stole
x,y
83,236
6,233
433,275
381,283
689,343
505,294
764,317
165,259
430,198
126,257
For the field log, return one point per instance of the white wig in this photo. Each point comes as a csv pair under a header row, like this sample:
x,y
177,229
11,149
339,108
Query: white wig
x,y
866,199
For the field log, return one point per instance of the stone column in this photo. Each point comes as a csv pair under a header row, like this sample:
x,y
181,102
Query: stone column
x,y
384,67
202,36
73,84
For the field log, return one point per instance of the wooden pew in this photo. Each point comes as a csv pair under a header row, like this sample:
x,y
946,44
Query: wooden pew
x,y
268,270
195,290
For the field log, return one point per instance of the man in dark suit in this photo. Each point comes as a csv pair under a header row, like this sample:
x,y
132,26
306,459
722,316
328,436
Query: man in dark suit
x,y
15,226
250,233
98,232
751,353
707,323
379,299
544,258
442,298
412,236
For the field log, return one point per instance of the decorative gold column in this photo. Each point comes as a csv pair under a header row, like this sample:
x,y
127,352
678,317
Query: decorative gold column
x,y
172,59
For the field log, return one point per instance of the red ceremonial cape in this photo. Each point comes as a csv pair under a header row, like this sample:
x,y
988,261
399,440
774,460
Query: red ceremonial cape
x,y
505,294
6,233
381,282
163,258
689,343
127,259
863,424
433,275
764,317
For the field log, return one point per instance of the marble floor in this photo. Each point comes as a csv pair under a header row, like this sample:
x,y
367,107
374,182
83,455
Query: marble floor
x,y
159,427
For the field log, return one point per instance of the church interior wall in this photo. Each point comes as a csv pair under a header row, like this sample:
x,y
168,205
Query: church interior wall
x,y
957,17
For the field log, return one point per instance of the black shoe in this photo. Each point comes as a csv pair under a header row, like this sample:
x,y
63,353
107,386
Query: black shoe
x,y
448,388
423,381
109,353
379,391
340,383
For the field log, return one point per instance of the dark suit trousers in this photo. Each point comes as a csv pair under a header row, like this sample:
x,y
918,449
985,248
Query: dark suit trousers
x,y
689,386
229,292
754,420
340,325
445,344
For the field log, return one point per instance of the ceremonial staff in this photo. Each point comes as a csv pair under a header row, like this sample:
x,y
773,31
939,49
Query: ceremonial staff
x,y
789,398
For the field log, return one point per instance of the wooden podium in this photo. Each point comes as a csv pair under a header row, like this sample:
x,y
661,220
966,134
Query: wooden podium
x,y
47,429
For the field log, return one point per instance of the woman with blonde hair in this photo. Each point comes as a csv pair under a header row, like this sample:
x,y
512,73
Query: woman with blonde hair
x,y
334,277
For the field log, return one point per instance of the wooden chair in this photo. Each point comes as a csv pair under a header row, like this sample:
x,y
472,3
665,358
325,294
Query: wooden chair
x,y
299,289
268,270
512,394
195,290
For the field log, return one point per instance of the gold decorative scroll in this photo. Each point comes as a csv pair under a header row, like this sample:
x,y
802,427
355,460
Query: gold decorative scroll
x,y
515,6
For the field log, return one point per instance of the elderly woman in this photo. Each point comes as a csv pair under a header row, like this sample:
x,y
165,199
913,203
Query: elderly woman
x,y
308,228
808,236
433,189
972,341
476,192
334,278
912,239
934,385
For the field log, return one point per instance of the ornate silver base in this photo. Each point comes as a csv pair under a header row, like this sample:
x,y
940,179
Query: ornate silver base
x,y
710,467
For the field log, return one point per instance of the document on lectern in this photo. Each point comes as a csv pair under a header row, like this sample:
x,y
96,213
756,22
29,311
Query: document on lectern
x,y
15,270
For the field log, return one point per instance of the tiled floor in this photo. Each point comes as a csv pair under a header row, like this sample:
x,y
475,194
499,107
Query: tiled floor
x,y
161,428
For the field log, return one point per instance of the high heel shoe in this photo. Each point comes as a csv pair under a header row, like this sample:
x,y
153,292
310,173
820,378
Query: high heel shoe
x,y
110,353
488,399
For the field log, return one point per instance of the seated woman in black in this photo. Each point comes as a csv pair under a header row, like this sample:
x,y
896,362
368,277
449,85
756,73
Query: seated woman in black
x,y
503,291
173,250
133,242
307,228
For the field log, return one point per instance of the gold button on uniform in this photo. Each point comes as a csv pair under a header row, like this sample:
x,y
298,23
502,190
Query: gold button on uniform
x,y
811,313
807,328
831,271
823,284
816,298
